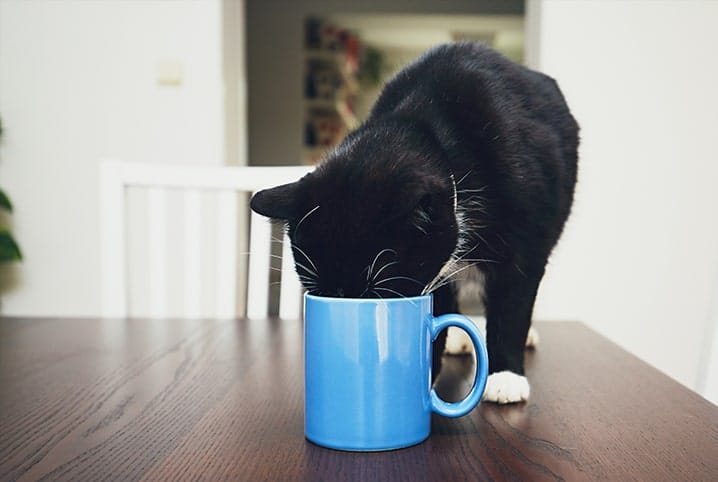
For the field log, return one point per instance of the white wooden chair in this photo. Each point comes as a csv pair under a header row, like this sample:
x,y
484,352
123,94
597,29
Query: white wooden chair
x,y
116,179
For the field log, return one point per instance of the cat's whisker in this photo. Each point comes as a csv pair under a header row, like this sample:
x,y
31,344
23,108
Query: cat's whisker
x,y
478,197
386,280
432,285
305,217
395,292
382,269
481,189
390,291
478,235
368,272
447,278
444,274
376,258
480,260
436,285
301,251
311,272
438,277
307,277
463,257
474,200
453,261
310,286
462,178
443,282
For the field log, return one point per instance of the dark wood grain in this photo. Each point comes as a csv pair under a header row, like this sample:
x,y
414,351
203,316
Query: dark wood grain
x,y
166,400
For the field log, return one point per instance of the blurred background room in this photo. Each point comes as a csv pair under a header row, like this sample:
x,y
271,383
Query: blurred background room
x,y
214,83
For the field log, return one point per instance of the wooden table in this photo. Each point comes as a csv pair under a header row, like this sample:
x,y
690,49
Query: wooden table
x,y
90,399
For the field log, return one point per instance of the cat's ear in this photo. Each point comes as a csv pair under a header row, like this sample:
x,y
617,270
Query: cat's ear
x,y
278,202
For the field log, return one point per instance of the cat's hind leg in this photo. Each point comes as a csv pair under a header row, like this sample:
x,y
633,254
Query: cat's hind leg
x,y
532,339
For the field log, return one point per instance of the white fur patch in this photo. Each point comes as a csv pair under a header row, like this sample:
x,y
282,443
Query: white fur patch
x,y
506,387
458,342
532,339
471,285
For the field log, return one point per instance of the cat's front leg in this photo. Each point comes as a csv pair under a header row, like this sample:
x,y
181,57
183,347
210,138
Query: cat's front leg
x,y
510,296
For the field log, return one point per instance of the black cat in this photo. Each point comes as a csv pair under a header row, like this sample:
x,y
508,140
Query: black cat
x,y
467,162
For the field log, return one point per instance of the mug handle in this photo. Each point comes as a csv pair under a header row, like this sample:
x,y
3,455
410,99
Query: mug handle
x,y
462,407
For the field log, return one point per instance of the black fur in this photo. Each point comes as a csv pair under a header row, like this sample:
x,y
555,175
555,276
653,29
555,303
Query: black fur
x,y
461,119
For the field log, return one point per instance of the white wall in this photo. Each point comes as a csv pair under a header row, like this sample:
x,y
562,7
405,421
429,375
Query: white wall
x,y
639,259
78,82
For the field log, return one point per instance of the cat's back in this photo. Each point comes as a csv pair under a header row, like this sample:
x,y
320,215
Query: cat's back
x,y
470,72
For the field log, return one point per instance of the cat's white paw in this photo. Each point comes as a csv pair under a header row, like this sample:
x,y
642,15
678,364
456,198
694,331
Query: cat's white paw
x,y
532,339
506,387
458,342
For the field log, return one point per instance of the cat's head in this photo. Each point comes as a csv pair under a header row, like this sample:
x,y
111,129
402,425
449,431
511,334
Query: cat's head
x,y
375,219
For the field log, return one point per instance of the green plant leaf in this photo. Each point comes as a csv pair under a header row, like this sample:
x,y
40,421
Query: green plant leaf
x,y
5,201
9,250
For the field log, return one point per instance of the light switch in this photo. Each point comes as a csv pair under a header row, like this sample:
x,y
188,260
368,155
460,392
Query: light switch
x,y
169,73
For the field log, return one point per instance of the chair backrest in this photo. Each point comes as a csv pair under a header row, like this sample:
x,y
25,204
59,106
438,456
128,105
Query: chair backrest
x,y
188,183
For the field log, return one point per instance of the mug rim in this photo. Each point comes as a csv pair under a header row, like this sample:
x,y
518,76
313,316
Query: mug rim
x,y
330,299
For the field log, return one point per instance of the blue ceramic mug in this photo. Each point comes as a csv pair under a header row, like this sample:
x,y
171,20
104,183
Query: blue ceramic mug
x,y
367,371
